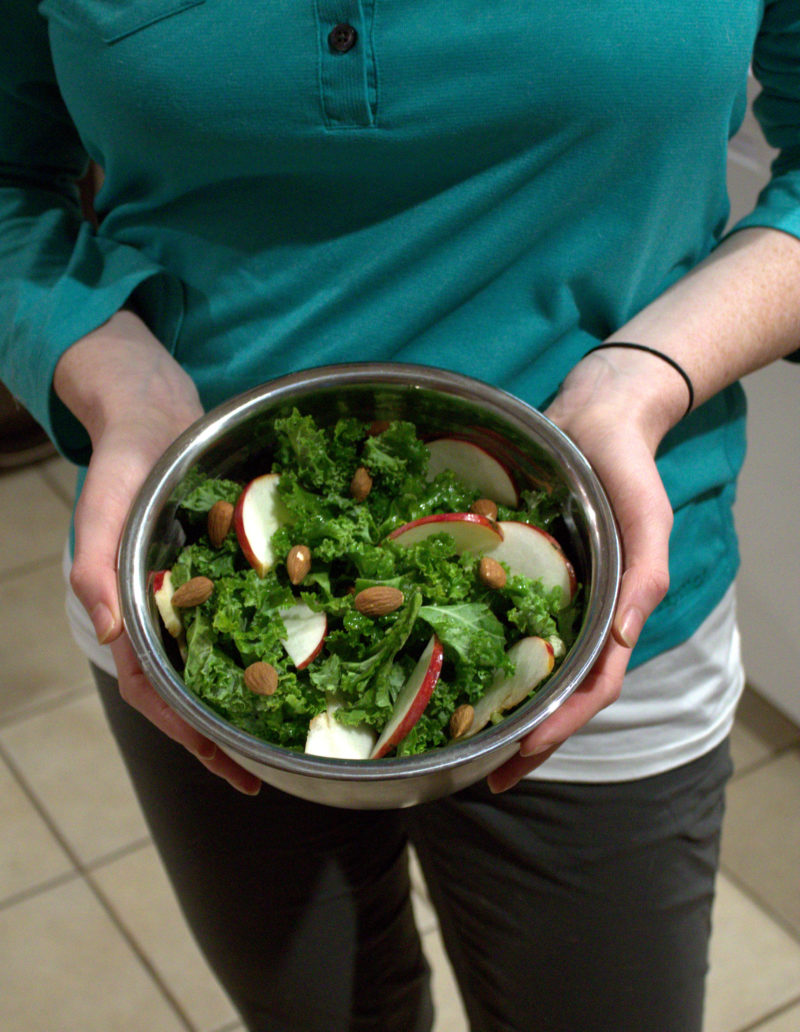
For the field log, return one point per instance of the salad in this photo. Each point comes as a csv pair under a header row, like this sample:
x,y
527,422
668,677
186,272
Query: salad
x,y
370,594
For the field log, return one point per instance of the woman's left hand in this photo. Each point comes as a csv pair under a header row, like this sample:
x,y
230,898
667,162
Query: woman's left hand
x,y
609,407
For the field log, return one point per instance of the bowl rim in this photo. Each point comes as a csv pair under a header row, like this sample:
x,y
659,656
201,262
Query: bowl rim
x,y
187,450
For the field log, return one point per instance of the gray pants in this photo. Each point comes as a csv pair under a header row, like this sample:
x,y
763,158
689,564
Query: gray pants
x,y
564,907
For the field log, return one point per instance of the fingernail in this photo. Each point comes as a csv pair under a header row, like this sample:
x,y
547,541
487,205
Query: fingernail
x,y
206,750
535,750
103,622
628,628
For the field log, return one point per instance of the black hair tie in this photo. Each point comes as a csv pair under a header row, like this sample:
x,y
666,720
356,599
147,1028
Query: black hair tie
x,y
659,354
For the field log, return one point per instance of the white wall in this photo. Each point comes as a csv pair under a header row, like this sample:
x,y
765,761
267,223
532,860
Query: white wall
x,y
769,490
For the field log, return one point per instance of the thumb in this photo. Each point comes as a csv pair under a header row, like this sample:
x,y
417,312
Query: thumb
x,y
110,487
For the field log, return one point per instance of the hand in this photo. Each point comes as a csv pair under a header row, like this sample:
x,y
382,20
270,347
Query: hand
x,y
134,400
616,406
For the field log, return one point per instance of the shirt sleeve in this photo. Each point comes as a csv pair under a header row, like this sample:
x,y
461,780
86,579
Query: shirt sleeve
x,y
59,279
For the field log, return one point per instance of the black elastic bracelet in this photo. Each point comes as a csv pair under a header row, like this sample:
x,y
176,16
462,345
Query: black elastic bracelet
x,y
659,354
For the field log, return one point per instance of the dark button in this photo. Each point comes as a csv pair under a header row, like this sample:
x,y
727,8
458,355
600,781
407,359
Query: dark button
x,y
342,38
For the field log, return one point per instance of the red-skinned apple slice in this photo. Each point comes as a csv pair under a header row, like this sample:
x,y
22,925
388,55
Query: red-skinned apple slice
x,y
259,512
470,531
475,466
305,633
533,553
412,698
162,593
533,660
327,737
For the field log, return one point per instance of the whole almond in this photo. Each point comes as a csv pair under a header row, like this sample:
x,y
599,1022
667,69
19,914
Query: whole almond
x,y
491,572
193,593
298,563
461,721
378,600
261,678
361,484
220,519
377,426
485,507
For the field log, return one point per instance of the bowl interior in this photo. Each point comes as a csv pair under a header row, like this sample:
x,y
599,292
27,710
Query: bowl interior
x,y
236,441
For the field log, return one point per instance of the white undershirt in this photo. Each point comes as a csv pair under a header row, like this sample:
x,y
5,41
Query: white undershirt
x,y
672,709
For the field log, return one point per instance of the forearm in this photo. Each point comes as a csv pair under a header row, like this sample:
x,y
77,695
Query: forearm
x,y
119,369
737,311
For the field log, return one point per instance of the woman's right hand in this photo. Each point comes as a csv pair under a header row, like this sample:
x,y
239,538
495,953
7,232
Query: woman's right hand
x,y
134,400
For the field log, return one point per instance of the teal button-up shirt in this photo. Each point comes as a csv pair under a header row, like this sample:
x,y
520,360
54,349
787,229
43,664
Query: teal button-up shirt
x,y
491,188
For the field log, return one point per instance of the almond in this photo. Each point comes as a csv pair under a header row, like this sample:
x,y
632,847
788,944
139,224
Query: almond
x,y
485,507
193,593
220,519
461,721
377,426
491,573
298,563
378,600
261,678
361,484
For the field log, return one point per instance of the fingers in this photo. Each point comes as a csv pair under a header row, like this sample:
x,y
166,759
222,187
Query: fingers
x,y
600,688
137,692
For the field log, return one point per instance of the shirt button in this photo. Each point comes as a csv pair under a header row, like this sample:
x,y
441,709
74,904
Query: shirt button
x,y
342,38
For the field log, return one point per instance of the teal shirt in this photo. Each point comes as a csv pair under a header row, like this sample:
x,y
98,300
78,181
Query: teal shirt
x,y
491,188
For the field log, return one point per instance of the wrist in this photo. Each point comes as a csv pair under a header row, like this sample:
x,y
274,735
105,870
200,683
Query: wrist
x,y
120,370
628,384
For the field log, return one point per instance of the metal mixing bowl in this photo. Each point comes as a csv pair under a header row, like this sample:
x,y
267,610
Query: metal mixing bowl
x,y
234,441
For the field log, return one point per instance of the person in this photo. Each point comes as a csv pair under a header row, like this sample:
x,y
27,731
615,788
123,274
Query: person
x,y
495,190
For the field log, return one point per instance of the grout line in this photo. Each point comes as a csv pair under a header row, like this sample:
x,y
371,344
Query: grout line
x,y
45,706
770,1016
763,906
13,573
85,873
39,889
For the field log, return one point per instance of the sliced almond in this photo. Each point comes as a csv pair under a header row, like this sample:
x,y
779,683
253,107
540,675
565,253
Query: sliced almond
x,y
378,600
461,721
261,678
298,563
220,521
485,507
491,573
193,593
361,484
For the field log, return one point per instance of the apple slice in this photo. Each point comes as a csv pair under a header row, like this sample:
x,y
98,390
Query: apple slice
x,y
162,593
533,660
327,737
259,512
305,633
412,698
470,531
475,466
534,553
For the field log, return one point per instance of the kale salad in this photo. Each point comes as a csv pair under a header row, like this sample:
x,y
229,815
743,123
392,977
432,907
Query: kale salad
x,y
371,594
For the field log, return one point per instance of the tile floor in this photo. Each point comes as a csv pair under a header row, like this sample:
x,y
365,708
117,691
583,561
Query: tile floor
x,y
90,938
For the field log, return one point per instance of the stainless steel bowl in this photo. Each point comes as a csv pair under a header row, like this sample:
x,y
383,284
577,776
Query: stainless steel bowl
x,y
234,441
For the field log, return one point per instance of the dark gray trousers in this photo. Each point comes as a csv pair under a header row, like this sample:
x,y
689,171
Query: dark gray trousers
x,y
564,907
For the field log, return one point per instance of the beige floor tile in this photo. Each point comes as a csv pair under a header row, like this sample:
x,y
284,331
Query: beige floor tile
x,y
755,964
759,732
68,758
761,841
39,661
29,854
60,476
450,1016
138,892
788,1021
34,518
64,967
